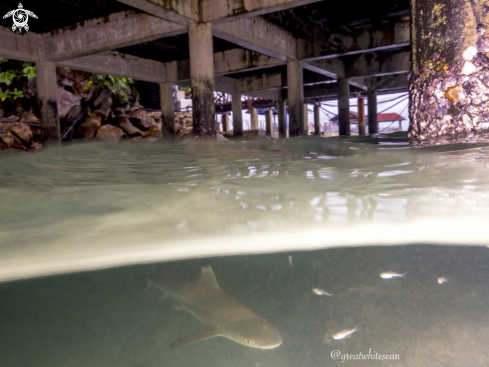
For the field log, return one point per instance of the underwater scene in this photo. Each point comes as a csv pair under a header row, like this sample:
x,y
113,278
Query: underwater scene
x,y
355,251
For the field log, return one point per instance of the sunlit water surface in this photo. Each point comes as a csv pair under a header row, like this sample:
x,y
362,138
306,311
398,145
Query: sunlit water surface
x,y
93,206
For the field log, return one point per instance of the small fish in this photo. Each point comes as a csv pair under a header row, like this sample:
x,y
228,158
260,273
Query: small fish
x,y
321,292
290,260
391,274
442,280
344,333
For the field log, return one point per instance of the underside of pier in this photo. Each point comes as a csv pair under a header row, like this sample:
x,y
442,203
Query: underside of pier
x,y
289,52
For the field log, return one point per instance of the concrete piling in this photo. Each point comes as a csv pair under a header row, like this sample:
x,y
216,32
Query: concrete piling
x,y
344,107
361,116
167,110
48,101
237,107
373,125
254,118
202,79
269,122
295,90
225,122
449,68
317,124
282,119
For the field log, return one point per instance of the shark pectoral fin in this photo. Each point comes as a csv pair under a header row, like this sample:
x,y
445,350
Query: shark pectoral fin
x,y
207,277
205,333
176,306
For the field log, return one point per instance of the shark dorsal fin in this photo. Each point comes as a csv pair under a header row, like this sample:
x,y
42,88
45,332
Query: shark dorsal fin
x,y
207,277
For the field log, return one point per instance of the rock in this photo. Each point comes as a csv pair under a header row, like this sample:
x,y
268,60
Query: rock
x,y
103,95
12,141
33,119
9,119
118,111
105,107
23,132
73,113
6,126
66,101
178,127
141,119
100,114
136,138
128,128
109,133
155,131
88,128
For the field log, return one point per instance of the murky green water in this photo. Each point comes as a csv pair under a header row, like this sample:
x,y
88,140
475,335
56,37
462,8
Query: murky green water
x,y
94,206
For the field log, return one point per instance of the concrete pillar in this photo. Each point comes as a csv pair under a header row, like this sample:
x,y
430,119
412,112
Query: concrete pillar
x,y
202,78
237,106
225,122
317,123
167,110
449,45
344,107
282,119
48,101
269,122
295,91
254,118
306,120
373,125
361,116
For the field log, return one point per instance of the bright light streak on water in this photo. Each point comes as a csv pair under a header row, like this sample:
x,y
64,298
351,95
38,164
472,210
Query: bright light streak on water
x,y
96,205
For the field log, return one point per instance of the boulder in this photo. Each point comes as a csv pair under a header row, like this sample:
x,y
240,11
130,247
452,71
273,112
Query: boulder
x,y
88,128
73,113
110,133
141,119
66,101
118,111
155,131
9,119
103,96
23,132
12,141
128,128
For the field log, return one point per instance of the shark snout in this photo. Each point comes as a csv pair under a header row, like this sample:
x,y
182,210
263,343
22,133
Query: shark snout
x,y
254,332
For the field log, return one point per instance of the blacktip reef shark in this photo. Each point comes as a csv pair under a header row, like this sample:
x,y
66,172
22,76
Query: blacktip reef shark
x,y
221,313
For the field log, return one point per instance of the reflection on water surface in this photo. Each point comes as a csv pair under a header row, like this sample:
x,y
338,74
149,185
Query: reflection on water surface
x,y
94,205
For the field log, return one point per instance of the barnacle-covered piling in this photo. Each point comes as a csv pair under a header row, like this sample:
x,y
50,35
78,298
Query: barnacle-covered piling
x,y
449,80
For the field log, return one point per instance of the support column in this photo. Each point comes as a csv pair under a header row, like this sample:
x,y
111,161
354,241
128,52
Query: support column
x,y
48,101
225,122
361,116
202,79
344,107
167,110
447,83
237,107
295,91
306,119
373,125
317,123
254,118
282,119
269,122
